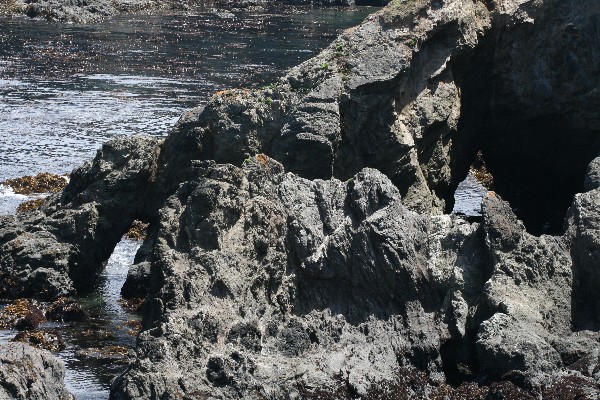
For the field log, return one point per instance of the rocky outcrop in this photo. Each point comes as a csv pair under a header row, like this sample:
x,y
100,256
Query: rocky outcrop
x,y
298,246
61,247
287,274
28,373
416,91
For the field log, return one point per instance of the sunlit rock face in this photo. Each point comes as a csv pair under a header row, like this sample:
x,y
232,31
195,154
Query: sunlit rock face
x,y
298,246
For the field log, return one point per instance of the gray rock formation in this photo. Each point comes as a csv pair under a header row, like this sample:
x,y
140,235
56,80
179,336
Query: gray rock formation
x,y
273,281
61,247
342,277
30,374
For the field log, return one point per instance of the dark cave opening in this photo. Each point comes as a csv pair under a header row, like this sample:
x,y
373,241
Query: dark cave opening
x,y
538,166
537,155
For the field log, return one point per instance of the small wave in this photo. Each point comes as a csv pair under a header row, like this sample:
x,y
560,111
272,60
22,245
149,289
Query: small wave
x,y
133,80
6,191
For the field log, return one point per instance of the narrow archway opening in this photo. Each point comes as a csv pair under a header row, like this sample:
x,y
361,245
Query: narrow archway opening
x,y
470,191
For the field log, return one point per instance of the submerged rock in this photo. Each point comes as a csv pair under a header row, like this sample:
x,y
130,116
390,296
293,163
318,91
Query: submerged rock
x,y
65,309
22,314
28,373
116,354
46,340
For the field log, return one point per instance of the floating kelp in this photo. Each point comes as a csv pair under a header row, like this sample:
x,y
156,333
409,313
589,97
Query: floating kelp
x,y
43,182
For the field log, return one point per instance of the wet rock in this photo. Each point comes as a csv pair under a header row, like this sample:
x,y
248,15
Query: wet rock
x,y
28,373
21,315
46,340
65,309
116,354
136,284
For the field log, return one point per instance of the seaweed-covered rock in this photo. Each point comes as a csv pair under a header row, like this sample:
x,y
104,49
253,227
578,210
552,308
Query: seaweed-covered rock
x,y
22,314
65,309
42,339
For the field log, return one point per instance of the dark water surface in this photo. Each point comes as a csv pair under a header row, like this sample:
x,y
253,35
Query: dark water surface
x,y
66,89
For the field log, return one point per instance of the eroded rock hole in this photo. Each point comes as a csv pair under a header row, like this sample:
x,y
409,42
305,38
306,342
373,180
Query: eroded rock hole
x,y
536,143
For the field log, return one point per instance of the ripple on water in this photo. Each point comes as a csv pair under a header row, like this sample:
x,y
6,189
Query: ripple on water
x,y
468,197
9,200
89,379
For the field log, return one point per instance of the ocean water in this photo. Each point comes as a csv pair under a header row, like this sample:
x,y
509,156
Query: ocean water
x,y
65,89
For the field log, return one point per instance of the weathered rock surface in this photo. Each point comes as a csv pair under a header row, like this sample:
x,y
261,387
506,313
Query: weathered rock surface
x,y
416,91
28,373
277,283
342,277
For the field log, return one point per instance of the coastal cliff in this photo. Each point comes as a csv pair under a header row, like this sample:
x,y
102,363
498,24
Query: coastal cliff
x,y
300,243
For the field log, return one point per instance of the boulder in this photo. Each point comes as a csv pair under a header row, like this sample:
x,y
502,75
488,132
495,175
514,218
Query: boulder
x,y
32,374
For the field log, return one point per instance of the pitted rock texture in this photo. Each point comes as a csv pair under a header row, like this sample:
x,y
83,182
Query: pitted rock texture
x,y
267,284
415,91
30,374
